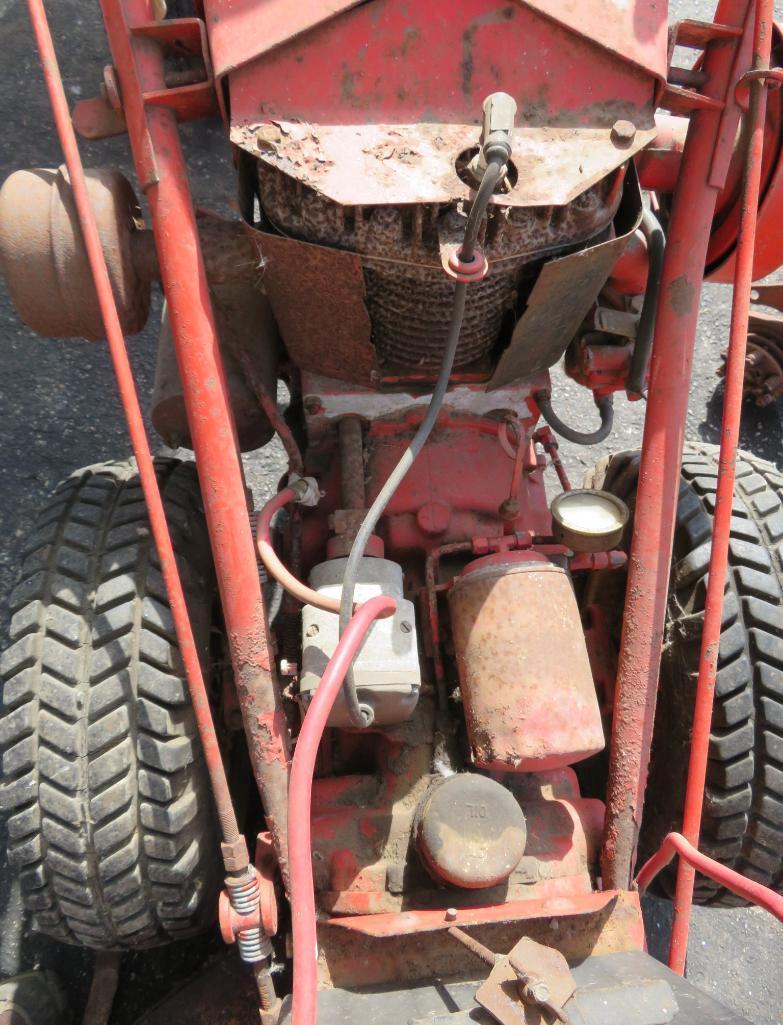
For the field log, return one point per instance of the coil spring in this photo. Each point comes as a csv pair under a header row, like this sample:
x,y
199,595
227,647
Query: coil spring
x,y
253,944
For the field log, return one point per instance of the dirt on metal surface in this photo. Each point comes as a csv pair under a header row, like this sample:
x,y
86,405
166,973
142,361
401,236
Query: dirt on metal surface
x,y
524,711
44,260
346,954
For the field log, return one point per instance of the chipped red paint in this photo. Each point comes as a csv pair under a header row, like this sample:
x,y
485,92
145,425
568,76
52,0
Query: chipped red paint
x,y
705,160
160,166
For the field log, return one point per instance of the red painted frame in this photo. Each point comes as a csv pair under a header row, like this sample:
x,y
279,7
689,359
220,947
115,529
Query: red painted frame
x,y
135,40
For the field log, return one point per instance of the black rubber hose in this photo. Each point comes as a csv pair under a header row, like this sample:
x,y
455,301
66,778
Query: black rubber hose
x,y
656,248
361,715
605,406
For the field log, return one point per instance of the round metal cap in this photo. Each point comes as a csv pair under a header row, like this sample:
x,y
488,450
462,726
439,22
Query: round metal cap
x,y
471,831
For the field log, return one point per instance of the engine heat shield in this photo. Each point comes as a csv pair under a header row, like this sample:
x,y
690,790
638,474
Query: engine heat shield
x,y
528,692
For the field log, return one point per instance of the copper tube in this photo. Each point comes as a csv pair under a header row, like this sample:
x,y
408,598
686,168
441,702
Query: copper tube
x,y
274,565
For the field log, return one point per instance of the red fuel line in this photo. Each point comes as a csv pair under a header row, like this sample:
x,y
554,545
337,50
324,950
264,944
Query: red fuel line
x,y
675,843
305,985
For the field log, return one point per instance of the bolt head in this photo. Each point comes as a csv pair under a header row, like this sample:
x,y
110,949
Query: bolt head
x,y
623,132
451,914
539,990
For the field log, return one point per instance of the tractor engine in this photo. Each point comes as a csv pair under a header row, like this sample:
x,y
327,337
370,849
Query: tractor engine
x,y
461,789
437,203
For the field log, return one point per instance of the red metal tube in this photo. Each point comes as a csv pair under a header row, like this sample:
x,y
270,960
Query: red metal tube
x,y
269,557
675,843
138,436
659,475
721,530
138,60
305,983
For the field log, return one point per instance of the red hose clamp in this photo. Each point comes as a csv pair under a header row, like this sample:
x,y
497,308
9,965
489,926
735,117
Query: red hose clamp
x,y
466,271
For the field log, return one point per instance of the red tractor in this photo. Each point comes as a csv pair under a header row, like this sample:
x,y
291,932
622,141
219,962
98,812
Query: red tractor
x,y
438,660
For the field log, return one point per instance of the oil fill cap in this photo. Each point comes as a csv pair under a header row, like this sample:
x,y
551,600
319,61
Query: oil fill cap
x,y
470,831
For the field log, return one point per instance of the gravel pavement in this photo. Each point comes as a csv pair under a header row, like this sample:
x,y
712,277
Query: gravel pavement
x,y
59,411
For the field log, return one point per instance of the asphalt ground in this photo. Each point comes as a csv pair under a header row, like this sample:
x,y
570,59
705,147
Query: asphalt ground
x,y
59,411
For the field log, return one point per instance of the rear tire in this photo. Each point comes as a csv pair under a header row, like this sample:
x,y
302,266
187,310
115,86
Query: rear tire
x,y
110,818
742,824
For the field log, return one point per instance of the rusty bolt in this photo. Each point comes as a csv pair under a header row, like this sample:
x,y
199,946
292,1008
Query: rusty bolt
x,y
235,856
451,914
312,405
538,991
312,630
623,132
508,509
110,88
268,137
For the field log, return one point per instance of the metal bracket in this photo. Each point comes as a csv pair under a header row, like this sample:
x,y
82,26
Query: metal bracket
x,y
191,95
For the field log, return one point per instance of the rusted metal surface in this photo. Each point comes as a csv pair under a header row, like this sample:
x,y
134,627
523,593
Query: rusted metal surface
x,y
769,295
105,977
349,431
724,504
524,711
705,161
248,332
44,260
763,382
161,170
188,92
317,297
470,831
658,165
346,520
368,862
406,293
416,163
600,923
564,292
530,983
333,75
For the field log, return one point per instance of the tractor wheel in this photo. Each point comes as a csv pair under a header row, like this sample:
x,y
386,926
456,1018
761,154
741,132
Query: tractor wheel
x,y
742,824
110,821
